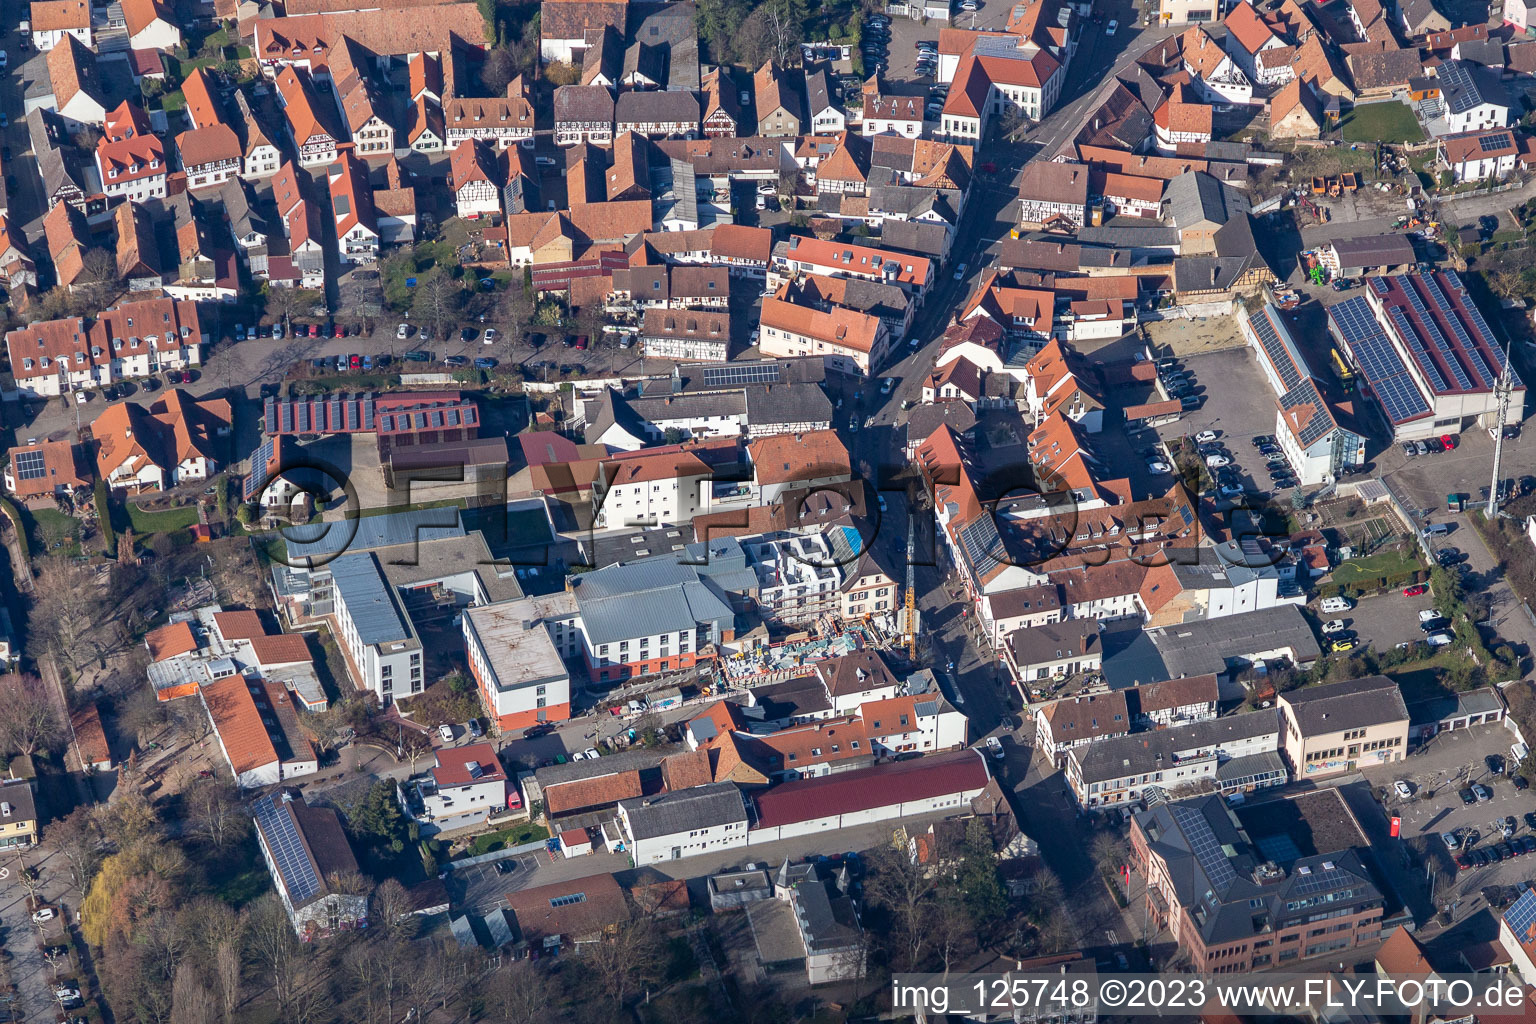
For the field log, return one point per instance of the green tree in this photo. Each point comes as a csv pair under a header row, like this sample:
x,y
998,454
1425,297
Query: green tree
x,y
977,877
376,819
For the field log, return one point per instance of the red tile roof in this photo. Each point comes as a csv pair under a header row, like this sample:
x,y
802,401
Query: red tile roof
x,y
282,649
169,641
241,625
866,788
456,765
238,722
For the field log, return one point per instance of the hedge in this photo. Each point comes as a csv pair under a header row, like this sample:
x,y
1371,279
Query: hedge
x,y
104,513
14,515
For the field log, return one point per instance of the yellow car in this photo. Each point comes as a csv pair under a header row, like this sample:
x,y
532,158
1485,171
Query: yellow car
x,y
1348,643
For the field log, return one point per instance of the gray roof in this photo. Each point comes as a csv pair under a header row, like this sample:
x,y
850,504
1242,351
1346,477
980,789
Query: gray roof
x,y
1055,641
1116,757
919,237
1267,763
788,403
1195,197
667,814
315,540
875,298
825,925
1488,52
1465,86
650,105
818,91
1153,236
370,600
685,191
18,794
1349,704
1209,645
584,103
670,28
681,407
1374,250
925,420
1228,564
605,411
1454,705
648,598
1207,273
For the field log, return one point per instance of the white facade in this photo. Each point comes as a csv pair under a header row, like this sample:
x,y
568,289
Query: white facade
x,y
159,34
708,819
261,162
890,726
47,40
477,197
689,349
1484,115
909,128
652,502
958,802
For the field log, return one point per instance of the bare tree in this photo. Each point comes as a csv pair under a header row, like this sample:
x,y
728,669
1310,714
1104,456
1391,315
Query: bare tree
x,y
286,303
437,300
904,889
192,1001
278,949
228,970
951,930
77,837
392,910
519,995
216,814
630,959
67,615
100,281
31,721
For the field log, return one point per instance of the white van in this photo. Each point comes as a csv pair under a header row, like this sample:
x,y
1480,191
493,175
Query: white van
x,y
1331,605
1439,639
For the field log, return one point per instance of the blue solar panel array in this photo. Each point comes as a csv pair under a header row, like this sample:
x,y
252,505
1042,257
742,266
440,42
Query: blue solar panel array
x,y
1521,916
1276,350
1421,355
1205,846
1378,361
1436,336
29,465
281,834
256,480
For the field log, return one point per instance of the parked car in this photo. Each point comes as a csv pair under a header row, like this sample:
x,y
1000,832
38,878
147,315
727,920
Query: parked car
x,y
1495,763
1451,840
455,361
1481,792
1343,644
489,337
1468,798
1336,604
1416,590
1159,467
446,732
995,746
1112,27
1440,639
1206,436
1333,626
1402,789
581,343
960,271
44,914
417,356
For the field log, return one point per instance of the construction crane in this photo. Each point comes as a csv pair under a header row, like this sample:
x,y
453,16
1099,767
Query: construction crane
x,y
909,614
1503,390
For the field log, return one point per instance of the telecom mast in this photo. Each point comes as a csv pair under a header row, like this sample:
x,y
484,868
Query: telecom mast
x,y
1503,390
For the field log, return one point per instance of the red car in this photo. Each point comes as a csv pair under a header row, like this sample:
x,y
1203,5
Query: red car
x,y
1462,863
314,330
1448,441
186,376
338,331
1417,590
355,361
581,343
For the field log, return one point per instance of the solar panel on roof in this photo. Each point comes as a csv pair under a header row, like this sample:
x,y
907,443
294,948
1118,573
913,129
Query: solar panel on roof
x,y
749,373
29,466
256,481
1205,846
277,827
1497,141
1378,361
1432,328
1521,916
1275,350
1421,355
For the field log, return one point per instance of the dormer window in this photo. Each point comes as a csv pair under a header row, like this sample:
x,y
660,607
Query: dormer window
x,y
112,173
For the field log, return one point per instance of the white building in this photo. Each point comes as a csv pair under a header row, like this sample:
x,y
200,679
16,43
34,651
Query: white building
x,y
256,727
517,651
1477,156
306,852
846,339
1472,97
893,115
925,723
52,20
377,633
670,826
466,786
1315,443
151,25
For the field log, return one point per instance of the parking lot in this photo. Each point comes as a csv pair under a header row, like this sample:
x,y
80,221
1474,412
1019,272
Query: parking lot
x,y
1383,622
1436,773
484,886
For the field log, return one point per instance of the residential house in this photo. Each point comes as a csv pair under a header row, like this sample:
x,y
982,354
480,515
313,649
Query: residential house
x,y
79,97
301,223
567,27
1052,194
721,107
824,113
898,115
475,177
1420,18
848,340
130,157
505,120
800,254
583,113
777,103
43,469
565,916
18,815
173,441
52,20
357,226
1473,97
1056,650
1077,721
138,256
1477,156
311,863
260,156
151,25
210,156
1236,754
1006,73
17,268
1296,112
310,122
465,786
655,114
686,334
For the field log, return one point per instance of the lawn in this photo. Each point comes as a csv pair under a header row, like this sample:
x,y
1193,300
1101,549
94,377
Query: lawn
x,y
1366,571
507,837
53,532
169,521
1388,121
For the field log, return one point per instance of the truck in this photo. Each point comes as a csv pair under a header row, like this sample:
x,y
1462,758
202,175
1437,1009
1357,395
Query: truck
x,y
1342,371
